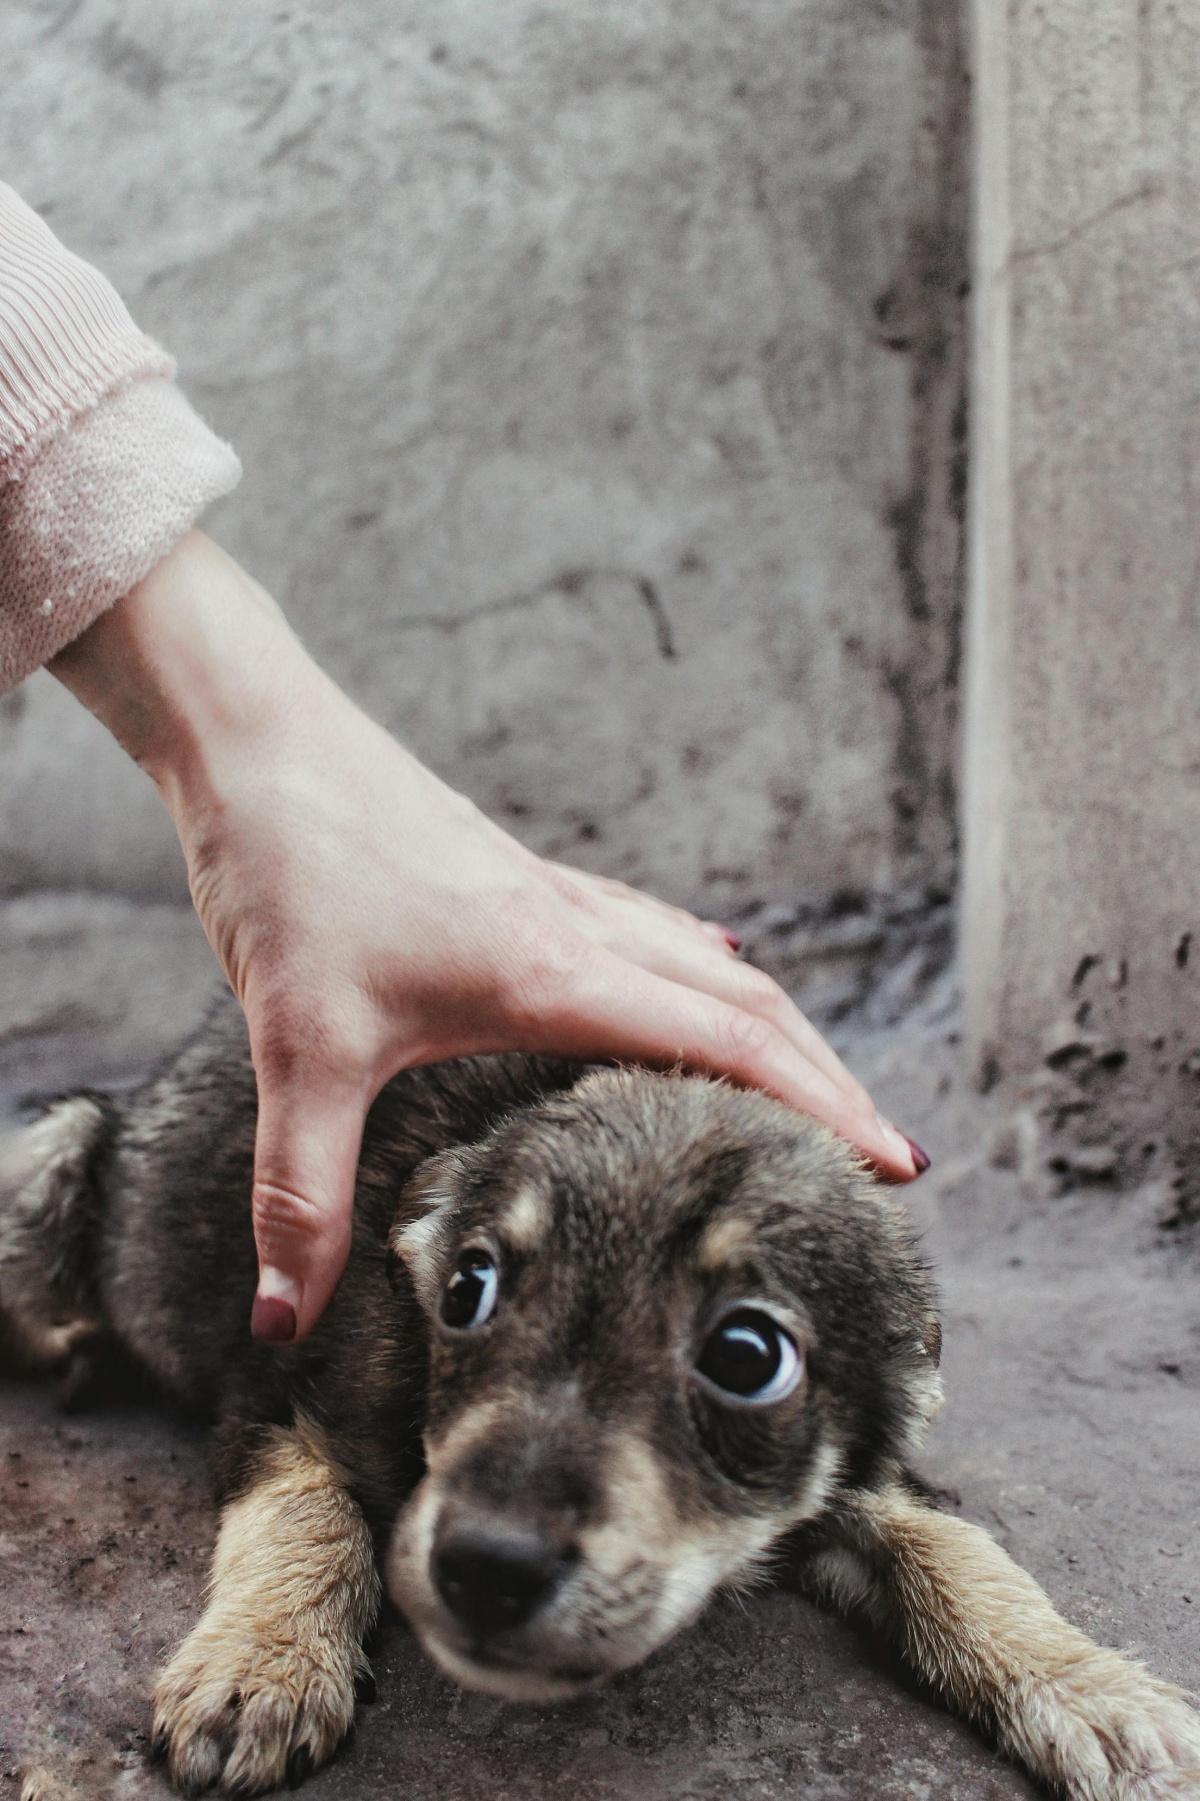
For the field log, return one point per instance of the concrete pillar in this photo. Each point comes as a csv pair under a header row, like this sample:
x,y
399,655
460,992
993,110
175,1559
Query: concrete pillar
x,y
1081,915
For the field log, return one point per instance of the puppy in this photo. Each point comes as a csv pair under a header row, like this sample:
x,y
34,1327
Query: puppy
x,y
607,1341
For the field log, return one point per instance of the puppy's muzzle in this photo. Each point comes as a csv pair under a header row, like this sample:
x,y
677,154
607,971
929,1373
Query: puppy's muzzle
x,y
495,1575
530,1560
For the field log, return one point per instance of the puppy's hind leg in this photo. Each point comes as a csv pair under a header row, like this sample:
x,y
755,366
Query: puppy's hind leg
x,y
263,1688
50,1207
1086,1721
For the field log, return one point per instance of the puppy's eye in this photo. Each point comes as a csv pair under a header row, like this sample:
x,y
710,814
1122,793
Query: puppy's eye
x,y
749,1356
469,1297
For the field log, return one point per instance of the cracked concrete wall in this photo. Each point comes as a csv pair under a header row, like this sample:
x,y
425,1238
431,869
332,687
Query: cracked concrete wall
x,y
1082,815
598,376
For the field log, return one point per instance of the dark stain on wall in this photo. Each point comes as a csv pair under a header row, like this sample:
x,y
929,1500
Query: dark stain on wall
x,y
924,315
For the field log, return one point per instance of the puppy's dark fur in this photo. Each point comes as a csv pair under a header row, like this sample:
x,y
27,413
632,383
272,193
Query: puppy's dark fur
x,y
570,1442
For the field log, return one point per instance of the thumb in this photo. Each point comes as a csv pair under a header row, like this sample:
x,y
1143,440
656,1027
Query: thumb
x,y
305,1159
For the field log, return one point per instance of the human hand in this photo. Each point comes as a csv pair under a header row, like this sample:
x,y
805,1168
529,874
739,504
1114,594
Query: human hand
x,y
369,918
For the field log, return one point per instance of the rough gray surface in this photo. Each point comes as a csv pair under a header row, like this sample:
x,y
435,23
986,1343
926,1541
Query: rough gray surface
x,y
121,980
1082,809
597,371
1072,1362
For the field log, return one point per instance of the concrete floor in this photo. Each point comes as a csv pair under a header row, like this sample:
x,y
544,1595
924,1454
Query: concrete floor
x,y
1072,1362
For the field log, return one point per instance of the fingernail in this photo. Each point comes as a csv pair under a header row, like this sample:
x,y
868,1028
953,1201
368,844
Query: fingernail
x,y
732,939
918,1155
272,1321
900,1142
273,1316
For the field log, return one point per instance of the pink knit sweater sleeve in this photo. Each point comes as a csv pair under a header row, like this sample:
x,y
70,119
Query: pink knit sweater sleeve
x,y
103,464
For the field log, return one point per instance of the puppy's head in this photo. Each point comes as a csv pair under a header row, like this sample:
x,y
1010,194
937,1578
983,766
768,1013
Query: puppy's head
x,y
669,1321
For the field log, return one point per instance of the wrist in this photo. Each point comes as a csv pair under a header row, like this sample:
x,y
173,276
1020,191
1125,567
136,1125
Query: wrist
x,y
187,669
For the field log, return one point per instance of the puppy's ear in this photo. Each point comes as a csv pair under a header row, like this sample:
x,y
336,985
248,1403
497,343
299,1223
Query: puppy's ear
x,y
424,1222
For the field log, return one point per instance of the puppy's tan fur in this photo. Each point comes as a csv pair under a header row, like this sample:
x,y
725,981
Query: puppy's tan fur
x,y
263,1687
1091,1724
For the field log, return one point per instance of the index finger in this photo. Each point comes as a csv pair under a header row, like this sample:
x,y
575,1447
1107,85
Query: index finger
x,y
614,1009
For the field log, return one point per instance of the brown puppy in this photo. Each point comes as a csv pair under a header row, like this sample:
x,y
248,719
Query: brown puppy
x,y
606,1343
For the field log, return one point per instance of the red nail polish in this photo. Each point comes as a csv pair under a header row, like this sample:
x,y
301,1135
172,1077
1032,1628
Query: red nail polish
x,y
732,940
918,1155
272,1321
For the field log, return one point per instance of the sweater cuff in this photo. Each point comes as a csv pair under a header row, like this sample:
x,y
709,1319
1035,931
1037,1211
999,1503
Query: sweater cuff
x,y
66,337
94,512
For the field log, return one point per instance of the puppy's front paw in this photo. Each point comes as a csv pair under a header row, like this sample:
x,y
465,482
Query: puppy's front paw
x,y
40,1783
1109,1731
248,1704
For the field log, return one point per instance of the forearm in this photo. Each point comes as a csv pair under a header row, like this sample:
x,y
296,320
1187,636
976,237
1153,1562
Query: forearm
x,y
189,669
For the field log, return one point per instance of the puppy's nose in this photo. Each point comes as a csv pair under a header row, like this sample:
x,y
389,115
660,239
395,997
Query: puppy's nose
x,y
491,1579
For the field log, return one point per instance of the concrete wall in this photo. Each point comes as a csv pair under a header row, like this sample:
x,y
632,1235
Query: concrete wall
x,y
597,371
1081,913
